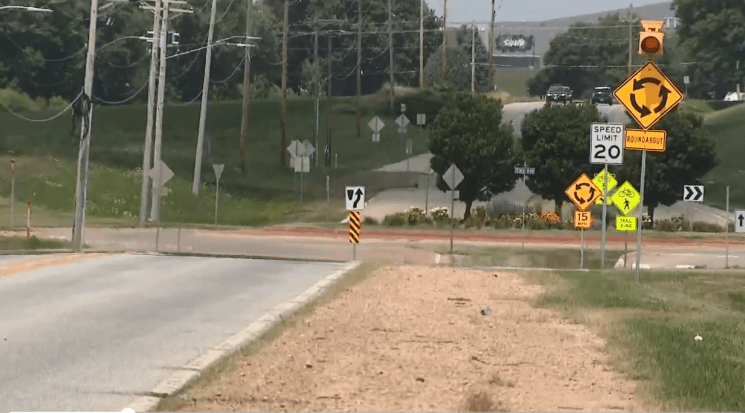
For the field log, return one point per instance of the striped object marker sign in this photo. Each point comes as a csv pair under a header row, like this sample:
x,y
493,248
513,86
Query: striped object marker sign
x,y
354,227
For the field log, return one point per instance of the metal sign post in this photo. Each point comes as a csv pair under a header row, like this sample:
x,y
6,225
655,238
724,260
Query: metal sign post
x,y
605,214
582,248
218,171
640,218
452,212
726,232
12,191
328,199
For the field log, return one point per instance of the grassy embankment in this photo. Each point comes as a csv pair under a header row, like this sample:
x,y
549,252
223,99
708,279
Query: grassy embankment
x,y
46,163
650,328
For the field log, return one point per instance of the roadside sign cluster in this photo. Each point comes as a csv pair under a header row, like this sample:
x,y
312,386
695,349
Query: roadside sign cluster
x,y
376,124
300,153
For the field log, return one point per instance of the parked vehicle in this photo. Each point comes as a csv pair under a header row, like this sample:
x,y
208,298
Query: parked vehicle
x,y
558,93
602,94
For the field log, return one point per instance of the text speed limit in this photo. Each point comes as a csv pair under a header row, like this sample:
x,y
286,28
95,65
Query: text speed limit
x,y
606,144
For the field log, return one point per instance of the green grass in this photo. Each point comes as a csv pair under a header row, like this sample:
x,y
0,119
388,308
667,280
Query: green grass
x,y
650,328
22,243
558,258
513,80
726,128
46,159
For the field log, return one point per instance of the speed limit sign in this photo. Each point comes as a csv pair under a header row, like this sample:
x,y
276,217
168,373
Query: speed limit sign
x,y
606,144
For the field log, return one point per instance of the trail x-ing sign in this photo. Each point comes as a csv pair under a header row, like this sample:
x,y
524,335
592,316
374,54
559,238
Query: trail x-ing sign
x,y
606,144
355,198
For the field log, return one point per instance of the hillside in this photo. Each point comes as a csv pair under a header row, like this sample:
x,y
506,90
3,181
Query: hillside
x,y
726,127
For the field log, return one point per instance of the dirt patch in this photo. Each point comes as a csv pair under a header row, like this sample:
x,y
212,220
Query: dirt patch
x,y
23,265
423,339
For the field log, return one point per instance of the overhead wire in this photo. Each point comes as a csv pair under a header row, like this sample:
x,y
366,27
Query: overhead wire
x,y
42,120
127,99
232,74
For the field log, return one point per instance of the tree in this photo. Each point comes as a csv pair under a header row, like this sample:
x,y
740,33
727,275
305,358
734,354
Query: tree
x,y
590,55
466,133
459,63
714,33
556,140
688,157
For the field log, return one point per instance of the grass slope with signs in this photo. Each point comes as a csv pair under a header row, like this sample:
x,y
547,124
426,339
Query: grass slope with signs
x,y
726,127
46,157
650,328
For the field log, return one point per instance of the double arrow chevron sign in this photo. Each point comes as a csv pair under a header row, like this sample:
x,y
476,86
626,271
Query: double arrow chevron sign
x,y
693,193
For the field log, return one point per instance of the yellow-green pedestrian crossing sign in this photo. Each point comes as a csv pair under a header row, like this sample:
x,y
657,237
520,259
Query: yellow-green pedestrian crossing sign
x,y
626,198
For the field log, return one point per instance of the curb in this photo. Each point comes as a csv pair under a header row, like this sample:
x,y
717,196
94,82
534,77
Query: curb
x,y
253,332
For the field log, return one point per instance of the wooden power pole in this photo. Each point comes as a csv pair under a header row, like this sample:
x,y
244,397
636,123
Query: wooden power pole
x,y
359,65
283,115
421,44
392,91
445,42
491,49
246,87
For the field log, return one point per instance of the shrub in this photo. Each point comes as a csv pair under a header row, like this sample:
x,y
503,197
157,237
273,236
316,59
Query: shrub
x,y
16,101
58,103
414,215
395,220
440,215
426,219
495,209
673,224
370,221
536,223
700,226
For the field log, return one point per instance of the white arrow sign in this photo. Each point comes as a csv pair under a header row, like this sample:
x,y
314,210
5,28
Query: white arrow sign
x,y
376,124
739,221
693,193
452,177
160,174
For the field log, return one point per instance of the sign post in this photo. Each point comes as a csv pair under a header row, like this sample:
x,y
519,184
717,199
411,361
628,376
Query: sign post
x,y
376,125
328,198
355,202
12,191
583,192
606,147
647,95
452,178
218,171
726,231
524,170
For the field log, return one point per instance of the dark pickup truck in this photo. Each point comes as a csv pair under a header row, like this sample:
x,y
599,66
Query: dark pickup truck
x,y
562,94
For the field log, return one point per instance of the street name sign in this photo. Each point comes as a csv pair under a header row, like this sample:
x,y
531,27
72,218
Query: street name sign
x,y
648,95
606,144
625,223
355,198
582,219
583,192
739,221
525,170
693,193
650,140
626,198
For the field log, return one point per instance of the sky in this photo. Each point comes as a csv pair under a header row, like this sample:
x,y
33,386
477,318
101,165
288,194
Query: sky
x,y
528,10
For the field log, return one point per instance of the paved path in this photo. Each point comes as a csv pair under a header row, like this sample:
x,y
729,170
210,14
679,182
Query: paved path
x,y
92,335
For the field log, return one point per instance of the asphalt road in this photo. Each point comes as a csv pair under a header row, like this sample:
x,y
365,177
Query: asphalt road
x,y
398,200
95,334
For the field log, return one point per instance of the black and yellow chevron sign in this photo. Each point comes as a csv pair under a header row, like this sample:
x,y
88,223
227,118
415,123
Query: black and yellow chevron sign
x,y
354,227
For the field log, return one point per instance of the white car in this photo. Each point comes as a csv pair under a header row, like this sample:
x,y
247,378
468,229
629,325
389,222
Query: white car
x,y
734,96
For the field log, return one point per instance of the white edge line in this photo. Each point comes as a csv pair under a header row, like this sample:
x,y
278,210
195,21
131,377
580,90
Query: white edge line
x,y
195,367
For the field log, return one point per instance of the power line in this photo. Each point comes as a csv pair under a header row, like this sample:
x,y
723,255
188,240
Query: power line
x,y
125,100
42,120
231,75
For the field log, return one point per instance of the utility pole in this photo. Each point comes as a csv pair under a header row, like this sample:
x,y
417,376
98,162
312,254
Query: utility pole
x,y
473,57
445,42
491,48
328,111
317,73
205,100
148,152
359,64
155,204
421,44
631,36
283,114
390,50
81,188
246,87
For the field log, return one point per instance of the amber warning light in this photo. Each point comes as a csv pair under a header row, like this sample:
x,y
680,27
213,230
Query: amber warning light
x,y
651,37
